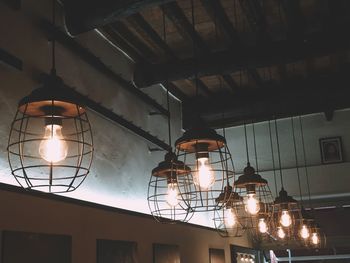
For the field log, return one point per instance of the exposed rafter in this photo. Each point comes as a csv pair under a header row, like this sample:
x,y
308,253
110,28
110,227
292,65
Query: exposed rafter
x,y
296,97
84,15
226,62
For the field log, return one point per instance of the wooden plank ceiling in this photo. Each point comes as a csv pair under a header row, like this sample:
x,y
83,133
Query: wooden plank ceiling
x,y
239,48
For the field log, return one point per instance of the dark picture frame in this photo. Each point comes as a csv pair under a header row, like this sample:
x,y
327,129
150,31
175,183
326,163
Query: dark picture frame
x,y
216,255
331,150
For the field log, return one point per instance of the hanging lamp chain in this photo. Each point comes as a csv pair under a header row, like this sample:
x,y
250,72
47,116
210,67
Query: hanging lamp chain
x,y
255,150
305,161
167,86
53,41
279,154
296,161
273,159
246,142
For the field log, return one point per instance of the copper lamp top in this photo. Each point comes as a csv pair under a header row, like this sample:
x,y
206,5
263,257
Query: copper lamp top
x,y
52,98
249,177
200,135
284,198
170,166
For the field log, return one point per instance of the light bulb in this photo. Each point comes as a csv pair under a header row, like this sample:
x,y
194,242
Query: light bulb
x,y
53,148
252,204
314,238
304,232
204,176
172,195
280,233
230,217
262,226
285,220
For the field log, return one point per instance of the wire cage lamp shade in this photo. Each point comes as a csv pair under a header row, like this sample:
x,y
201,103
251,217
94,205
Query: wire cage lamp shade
x,y
229,219
50,147
164,199
210,161
258,201
286,217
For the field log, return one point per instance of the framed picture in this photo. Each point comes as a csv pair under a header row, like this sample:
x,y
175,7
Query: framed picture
x,y
331,150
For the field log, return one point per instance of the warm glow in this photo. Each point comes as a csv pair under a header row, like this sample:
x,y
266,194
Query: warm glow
x,y
252,204
53,148
286,219
262,226
172,196
280,233
314,238
204,176
230,217
304,232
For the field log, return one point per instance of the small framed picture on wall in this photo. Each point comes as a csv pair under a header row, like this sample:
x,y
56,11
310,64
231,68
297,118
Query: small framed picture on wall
x,y
331,150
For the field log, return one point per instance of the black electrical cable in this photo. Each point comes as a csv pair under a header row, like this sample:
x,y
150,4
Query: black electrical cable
x,y
296,161
279,153
273,159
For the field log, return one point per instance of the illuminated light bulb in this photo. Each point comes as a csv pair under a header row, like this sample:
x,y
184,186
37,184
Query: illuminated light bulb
x,y
204,177
262,226
246,259
172,196
285,220
304,232
314,238
53,148
252,205
230,217
280,233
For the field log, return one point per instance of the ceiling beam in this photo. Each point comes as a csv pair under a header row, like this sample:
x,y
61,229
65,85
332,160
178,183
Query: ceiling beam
x,y
226,62
10,60
292,98
85,15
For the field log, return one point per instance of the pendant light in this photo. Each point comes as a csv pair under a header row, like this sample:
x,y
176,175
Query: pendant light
x,y
305,221
164,199
317,238
50,144
286,210
255,191
208,156
230,215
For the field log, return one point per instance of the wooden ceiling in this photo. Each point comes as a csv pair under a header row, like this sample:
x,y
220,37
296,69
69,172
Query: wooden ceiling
x,y
240,50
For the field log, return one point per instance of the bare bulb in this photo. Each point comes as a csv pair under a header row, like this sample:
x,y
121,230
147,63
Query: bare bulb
x,y
230,217
314,238
53,148
280,232
172,196
262,226
252,204
304,232
286,219
204,177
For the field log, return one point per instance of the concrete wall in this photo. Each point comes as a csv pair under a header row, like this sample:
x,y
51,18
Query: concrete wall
x,y
24,212
327,182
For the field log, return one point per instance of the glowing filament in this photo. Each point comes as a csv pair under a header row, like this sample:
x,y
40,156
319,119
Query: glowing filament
x,y
304,232
286,219
172,196
204,177
53,148
252,204
262,226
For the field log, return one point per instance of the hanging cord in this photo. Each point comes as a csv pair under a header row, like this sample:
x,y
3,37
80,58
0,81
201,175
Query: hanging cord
x,y
273,159
167,84
194,48
53,41
296,161
279,154
255,150
305,161
246,142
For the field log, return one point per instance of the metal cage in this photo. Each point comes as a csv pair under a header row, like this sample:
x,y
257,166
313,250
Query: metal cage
x,y
230,219
50,147
286,218
252,185
164,199
210,161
